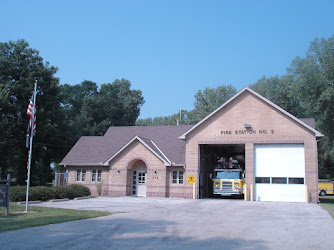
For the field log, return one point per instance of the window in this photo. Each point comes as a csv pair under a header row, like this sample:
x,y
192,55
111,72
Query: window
x,y
177,177
296,180
262,179
228,174
134,182
278,180
81,175
96,175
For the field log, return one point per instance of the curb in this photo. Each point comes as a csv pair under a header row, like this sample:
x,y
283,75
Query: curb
x,y
58,200
82,198
29,202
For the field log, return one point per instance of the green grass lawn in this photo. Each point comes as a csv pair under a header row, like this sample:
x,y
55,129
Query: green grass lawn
x,y
41,216
327,202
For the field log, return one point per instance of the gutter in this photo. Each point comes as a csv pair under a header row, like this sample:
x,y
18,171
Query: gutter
x,y
82,164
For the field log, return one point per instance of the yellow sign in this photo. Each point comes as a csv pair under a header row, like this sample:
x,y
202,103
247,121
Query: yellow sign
x,y
191,179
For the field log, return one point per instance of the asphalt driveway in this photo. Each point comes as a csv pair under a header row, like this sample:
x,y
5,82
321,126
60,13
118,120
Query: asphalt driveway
x,y
144,223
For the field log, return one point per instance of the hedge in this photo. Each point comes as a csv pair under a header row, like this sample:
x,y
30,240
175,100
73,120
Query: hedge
x,y
18,193
41,193
62,192
79,190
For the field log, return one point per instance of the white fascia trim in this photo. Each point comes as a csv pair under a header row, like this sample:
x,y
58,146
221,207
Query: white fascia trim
x,y
106,163
183,137
178,165
161,152
316,133
81,164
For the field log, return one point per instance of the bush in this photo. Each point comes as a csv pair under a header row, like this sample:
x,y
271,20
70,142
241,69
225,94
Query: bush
x,y
18,193
79,190
62,192
41,193
99,186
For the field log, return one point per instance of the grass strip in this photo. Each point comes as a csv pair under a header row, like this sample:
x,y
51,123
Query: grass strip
x,y
327,202
39,216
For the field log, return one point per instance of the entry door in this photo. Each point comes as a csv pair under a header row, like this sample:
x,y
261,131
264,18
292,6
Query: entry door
x,y
141,183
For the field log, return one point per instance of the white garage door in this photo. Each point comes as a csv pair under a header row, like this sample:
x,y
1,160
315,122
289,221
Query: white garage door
x,y
279,172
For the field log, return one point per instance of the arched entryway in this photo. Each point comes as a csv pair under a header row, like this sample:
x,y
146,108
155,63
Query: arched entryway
x,y
137,176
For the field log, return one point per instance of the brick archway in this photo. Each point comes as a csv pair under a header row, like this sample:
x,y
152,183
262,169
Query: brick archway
x,y
133,167
138,163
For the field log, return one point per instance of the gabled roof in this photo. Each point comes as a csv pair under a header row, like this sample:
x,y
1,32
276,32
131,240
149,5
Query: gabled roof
x,y
99,150
246,89
148,144
163,141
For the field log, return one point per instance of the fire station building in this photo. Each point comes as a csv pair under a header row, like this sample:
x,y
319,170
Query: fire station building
x,y
275,151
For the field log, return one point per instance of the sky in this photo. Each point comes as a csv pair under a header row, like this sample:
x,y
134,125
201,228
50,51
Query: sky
x,y
168,49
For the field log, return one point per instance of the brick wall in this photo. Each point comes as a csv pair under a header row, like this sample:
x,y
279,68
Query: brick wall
x,y
269,126
137,156
88,180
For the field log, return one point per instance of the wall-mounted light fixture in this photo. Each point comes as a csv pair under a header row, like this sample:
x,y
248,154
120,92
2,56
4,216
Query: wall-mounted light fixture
x,y
247,126
155,171
118,171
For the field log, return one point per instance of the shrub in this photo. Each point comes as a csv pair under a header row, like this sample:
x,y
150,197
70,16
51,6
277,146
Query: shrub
x,y
79,190
99,186
41,193
62,192
18,193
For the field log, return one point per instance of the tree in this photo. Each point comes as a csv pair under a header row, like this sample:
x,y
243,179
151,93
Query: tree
x,y
307,90
90,111
208,100
180,118
282,92
20,66
314,80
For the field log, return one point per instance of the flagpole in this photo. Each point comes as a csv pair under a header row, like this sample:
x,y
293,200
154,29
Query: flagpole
x,y
30,148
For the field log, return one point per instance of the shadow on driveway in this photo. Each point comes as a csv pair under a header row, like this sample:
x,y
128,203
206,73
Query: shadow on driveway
x,y
118,234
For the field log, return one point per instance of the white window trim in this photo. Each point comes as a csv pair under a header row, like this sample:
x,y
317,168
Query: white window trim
x,y
81,170
177,177
98,175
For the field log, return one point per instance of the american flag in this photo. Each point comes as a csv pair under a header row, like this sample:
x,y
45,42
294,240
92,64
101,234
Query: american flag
x,y
32,121
30,106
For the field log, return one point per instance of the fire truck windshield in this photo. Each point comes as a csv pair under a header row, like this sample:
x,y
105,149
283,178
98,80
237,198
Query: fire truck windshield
x,y
228,175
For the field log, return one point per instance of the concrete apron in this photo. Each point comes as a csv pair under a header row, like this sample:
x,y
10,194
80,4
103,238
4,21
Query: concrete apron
x,y
146,223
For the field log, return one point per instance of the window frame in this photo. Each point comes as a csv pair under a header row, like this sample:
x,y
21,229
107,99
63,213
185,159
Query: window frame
x,y
179,180
80,175
96,175
262,180
296,180
280,180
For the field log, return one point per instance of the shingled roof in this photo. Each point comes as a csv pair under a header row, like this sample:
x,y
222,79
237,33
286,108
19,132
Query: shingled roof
x,y
99,150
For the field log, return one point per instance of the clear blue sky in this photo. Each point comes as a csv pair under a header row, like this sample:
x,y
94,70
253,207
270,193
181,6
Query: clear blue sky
x,y
167,49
